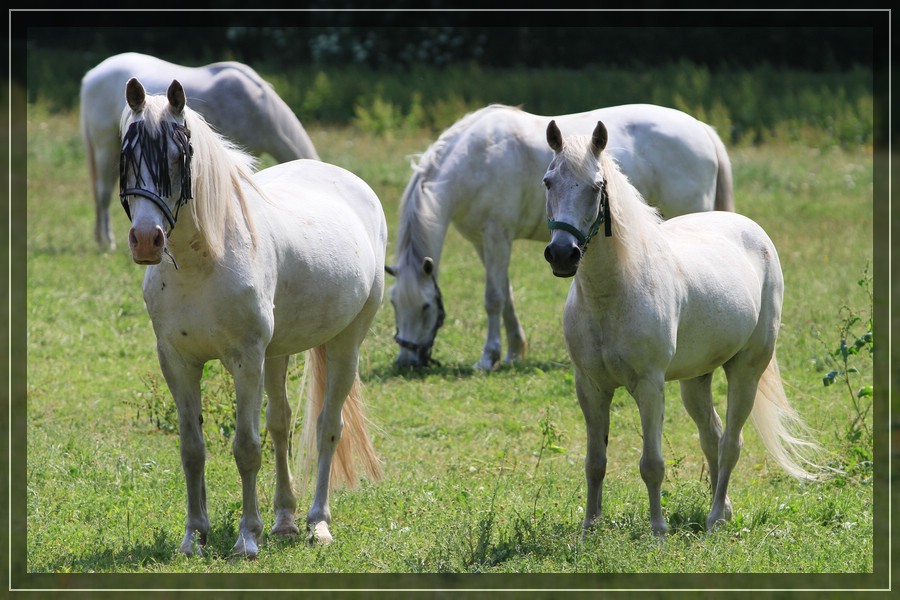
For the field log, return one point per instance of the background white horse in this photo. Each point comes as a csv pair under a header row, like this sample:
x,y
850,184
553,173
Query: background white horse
x,y
483,175
268,265
659,301
230,95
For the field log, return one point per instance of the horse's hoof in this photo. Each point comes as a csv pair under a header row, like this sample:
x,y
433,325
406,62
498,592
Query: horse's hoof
x,y
727,512
485,364
713,523
319,533
245,547
193,544
286,530
285,526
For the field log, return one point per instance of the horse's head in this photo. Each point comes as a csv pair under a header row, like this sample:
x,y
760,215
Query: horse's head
x,y
576,197
154,168
418,310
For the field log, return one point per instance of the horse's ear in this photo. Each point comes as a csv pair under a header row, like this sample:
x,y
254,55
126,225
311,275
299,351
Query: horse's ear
x,y
554,137
428,265
175,94
135,94
599,138
390,270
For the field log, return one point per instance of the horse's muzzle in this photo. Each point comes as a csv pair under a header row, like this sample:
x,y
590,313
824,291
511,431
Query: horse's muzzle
x,y
147,244
563,258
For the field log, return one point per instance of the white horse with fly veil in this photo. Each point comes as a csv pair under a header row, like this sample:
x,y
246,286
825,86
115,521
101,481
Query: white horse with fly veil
x,y
262,266
655,301
483,174
230,95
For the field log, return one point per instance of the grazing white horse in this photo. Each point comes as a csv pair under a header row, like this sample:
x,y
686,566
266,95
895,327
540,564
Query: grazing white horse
x,y
230,95
655,301
260,267
483,174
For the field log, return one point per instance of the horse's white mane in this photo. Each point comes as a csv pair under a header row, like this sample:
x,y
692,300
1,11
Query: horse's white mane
x,y
218,168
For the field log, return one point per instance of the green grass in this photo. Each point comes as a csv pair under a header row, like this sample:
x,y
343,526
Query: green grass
x,y
467,488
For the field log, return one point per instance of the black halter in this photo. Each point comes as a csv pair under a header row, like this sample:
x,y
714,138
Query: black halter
x,y
153,155
603,218
423,351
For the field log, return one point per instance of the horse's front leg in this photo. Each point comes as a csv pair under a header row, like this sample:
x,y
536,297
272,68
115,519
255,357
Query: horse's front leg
x,y
650,396
498,301
183,378
278,425
594,403
246,367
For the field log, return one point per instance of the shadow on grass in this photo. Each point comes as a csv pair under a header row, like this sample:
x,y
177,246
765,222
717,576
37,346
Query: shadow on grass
x,y
460,371
161,549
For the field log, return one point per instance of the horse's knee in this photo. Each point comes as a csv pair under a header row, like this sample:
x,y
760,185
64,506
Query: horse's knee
x,y
247,451
653,469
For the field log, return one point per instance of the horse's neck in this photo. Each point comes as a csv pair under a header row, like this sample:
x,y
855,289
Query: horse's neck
x,y
613,265
600,271
423,236
185,244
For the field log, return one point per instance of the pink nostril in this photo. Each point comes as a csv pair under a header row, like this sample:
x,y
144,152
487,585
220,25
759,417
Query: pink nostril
x,y
147,242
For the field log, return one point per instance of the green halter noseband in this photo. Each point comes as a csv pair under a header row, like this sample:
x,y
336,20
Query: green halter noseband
x,y
603,217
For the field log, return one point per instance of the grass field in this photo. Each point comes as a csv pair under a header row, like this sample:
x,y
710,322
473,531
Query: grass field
x,y
484,473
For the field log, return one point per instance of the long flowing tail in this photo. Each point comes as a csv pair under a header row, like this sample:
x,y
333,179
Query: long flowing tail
x,y
355,440
783,432
724,176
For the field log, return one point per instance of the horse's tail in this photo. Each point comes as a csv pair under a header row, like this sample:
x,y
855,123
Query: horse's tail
x,y
724,177
783,433
354,441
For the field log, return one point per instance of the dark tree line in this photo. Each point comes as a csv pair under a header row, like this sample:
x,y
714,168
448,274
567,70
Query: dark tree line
x,y
815,41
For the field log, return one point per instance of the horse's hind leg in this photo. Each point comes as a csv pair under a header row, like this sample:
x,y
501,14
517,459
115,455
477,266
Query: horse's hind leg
x,y
184,381
342,363
696,395
103,172
743,379
278,424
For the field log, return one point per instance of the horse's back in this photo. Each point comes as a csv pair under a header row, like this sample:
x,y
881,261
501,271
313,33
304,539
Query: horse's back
x,y
672,158
666,153
230,95
327,197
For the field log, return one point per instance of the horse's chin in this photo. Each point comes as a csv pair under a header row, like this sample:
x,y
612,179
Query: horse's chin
x,y
147,261
565,273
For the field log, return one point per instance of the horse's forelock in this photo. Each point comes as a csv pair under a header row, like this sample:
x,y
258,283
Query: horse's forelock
x,y
577,153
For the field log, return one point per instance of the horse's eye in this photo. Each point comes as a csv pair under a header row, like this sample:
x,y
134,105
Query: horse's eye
x,y
547,183
426,306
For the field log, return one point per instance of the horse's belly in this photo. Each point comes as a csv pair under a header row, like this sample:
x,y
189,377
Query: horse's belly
x,y
699,359
708,337
309,320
